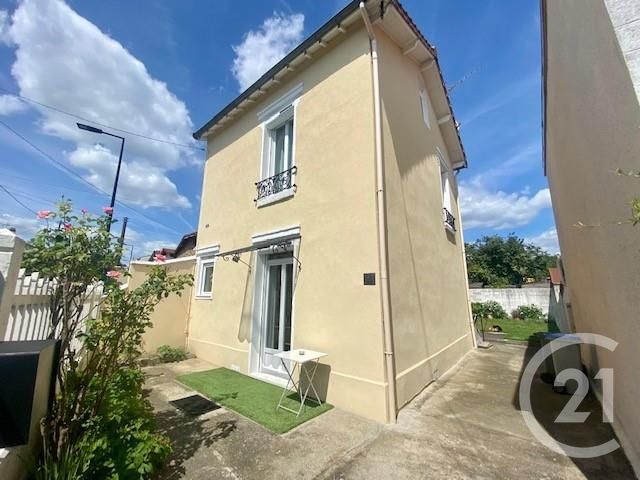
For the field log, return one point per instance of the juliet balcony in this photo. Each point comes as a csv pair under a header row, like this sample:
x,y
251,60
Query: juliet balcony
x,y
276,188
449,220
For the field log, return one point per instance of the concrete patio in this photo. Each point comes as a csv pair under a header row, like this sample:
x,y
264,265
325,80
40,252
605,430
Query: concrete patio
x,y
466,425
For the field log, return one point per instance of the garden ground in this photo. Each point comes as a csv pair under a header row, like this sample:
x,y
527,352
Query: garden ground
x,y
466,425
521,330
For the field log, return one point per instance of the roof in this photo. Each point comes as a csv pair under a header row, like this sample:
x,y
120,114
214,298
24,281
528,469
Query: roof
x,y
189,238
186,242
282,64
555,276
319,37
167,252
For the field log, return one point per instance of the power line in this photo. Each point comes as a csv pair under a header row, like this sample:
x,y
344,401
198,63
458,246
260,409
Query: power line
x,y
84,119
75,174
17,201
49,157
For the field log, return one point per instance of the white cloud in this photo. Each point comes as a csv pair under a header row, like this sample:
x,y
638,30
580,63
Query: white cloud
x,y
10,104
261,49
4,27
547,240
134,178
26,227
499,210
64,60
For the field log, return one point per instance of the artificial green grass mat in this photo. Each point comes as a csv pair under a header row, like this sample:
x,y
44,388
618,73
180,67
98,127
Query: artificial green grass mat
x,y
252,398
522,330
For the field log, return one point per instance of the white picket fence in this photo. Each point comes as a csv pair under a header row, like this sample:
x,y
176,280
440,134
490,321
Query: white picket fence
x,y
30,314
24,299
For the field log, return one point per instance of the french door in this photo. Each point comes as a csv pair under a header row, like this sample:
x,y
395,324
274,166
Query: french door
x,y
276,312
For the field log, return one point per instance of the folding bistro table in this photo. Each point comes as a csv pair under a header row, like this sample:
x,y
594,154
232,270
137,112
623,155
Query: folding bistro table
x,y
299,359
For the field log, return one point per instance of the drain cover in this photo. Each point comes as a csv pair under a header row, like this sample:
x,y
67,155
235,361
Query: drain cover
x,y
195,405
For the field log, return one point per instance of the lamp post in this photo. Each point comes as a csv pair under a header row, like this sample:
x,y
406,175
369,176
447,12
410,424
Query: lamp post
x,y
99,131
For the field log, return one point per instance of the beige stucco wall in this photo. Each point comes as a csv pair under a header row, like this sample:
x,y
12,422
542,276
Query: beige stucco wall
x,y
429,303
170,317
592,128
335,209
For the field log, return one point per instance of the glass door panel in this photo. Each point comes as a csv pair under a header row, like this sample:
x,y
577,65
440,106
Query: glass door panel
x,y
277,311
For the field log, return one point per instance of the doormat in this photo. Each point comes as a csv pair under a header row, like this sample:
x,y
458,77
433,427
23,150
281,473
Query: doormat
x,y
195,405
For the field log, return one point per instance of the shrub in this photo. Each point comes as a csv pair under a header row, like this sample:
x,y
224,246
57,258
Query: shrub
x,y
530,313
120,440
99,425
167,354
489,309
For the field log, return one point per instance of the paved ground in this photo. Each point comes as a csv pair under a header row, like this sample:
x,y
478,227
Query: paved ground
x,y
466,425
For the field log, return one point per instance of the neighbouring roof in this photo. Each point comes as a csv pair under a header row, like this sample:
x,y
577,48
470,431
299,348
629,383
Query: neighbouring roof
x,y
555,276
167,252
425,56
187,242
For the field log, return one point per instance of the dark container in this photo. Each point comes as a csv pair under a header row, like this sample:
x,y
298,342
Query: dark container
x,y
27,377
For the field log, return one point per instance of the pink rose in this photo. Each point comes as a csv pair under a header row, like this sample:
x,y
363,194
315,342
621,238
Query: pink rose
x,y
42,214
158,257
108,210
68,227
113,274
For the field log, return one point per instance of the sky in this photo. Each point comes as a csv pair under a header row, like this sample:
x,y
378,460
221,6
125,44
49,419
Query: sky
x,y
153,72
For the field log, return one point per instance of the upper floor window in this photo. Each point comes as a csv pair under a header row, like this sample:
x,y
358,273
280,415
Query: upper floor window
x,y
280,144
278,168
447,213
424,107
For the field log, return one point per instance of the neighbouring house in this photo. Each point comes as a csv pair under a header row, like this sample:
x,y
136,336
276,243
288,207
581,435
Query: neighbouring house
x,y
185,248
591,87
329,217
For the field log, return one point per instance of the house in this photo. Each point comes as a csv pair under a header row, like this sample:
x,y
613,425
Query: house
x,y
591,87
329,218
185,248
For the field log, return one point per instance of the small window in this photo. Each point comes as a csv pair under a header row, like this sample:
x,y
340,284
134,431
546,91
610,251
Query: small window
x,y
205,277
424,107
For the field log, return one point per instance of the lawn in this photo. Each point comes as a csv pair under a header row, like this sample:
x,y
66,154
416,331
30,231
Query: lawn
x,y
252,398
521,329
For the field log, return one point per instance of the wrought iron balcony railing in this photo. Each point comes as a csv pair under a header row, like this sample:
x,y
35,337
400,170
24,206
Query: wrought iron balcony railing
x,y
449,219
278,183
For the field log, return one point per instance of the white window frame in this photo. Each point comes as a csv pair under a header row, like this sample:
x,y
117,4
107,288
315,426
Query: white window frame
x,y
445,188
274,116
424,107
206,257
270,128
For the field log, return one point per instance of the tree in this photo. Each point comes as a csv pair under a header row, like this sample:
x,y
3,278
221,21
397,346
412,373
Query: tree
x,y
496,261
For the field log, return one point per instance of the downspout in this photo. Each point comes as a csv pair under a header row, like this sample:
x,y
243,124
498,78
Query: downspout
x,y
382,226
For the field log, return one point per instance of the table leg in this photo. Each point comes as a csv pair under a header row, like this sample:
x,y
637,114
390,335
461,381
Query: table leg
x,y
303,398
286,389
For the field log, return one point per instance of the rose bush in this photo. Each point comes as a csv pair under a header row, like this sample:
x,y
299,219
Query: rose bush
x,y
100,422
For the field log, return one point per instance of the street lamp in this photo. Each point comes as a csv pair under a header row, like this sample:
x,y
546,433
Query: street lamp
x,y
99,131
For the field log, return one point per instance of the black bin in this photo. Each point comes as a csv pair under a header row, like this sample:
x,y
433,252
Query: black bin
x,y
26,382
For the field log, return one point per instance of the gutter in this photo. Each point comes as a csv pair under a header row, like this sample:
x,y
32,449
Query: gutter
x,y
543,86
383,253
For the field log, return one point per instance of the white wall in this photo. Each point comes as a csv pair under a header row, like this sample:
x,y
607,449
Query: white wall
x,y
512,298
